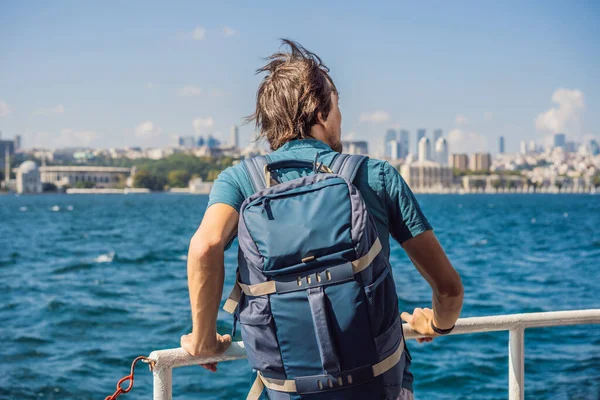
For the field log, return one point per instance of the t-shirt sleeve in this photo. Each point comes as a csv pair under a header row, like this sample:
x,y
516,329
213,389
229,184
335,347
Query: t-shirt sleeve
x,y
406,220
226,190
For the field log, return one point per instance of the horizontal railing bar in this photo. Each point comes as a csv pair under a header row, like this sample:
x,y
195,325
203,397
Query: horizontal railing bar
x,y
173,358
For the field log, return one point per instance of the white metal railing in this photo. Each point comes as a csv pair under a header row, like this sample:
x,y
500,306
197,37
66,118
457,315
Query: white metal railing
x,y
165,360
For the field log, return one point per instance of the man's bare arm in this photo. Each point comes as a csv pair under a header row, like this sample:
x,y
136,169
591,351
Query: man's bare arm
x,y
206,273
431,261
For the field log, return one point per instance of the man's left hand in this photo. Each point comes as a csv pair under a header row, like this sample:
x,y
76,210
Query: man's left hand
x,y
215,349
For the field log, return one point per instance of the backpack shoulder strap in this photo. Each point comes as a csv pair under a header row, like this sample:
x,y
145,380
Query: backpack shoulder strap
x,y
255,168
347,165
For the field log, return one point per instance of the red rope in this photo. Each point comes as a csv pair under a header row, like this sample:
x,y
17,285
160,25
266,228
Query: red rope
x,y
120,389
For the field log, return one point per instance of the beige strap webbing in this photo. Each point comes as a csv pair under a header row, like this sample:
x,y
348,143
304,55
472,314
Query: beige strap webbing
x,y
259,289
289,386
256,389
383,366
269,287
281,385
367,259
233,300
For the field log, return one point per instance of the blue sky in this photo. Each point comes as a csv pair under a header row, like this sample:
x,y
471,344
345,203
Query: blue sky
x,y
112,74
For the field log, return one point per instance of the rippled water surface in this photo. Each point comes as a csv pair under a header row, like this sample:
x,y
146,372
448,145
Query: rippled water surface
x,y
89,282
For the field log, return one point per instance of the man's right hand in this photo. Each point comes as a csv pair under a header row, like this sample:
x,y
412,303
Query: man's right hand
x,y
420,320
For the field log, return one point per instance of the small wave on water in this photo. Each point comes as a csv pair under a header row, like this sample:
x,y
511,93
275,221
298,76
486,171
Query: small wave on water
x,y
105,258
55,208
70,208
23,209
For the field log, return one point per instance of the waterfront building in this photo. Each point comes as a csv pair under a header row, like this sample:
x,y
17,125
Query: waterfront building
x,y
483,161
523,147
198,186
404,142
460,162
501,145
437,134
355,147
389,136
235,137
102,177
394,150
28,178
420,135
424,150
424,175
560,140
441,151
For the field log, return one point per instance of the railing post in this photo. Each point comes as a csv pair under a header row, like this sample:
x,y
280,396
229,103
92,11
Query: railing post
x,y
516,364
163,383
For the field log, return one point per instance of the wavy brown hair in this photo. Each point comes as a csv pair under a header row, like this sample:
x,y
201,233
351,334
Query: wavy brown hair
x,y
296,88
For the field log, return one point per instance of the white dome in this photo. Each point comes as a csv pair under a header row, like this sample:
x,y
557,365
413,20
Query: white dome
x,y
27,167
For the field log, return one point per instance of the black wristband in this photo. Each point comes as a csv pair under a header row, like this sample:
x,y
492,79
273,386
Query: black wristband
x,y
440,331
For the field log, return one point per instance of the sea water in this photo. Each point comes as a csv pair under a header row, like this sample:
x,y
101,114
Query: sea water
x,y
88,282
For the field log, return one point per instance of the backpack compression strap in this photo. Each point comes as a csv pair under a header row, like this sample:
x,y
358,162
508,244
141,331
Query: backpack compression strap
x,y
347,165
323,383
255,168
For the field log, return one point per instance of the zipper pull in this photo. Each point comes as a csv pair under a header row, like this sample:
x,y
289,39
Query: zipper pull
x,y
267,207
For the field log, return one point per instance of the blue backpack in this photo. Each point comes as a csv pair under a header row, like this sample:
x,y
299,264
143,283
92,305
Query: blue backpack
x,y
315,296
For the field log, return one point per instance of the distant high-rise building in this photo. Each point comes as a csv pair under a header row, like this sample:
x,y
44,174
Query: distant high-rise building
x,y
594,147
560,140
403,140
212,142
235,137
523,147
571,147
501,145
460,162
483,162
200,141
389,136
532,148
188,142
441,151
394,149
424,153
420,135
437,134
17,142
355,147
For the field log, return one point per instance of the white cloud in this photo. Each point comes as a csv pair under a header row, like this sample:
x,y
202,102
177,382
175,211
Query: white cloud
x,y
198,33
460,141
200,123
461,120
5,109
229,32
71,138
565,116
146,130
189,91
376,116
59,109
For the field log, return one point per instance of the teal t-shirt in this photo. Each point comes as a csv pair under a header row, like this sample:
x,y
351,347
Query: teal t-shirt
x,y
387,196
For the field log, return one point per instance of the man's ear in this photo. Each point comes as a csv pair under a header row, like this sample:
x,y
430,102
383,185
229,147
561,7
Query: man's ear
x,y
320,119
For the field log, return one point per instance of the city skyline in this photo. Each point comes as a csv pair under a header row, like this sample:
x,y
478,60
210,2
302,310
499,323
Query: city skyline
x,y
160,73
